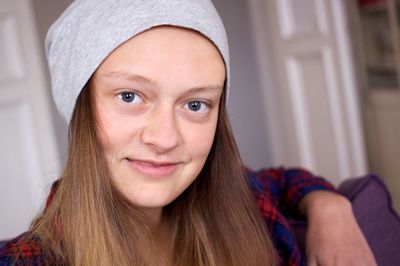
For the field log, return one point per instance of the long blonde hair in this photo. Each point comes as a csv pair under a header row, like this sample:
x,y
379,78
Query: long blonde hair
x,y
213,222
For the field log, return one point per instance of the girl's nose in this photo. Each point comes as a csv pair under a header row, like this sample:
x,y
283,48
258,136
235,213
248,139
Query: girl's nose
x,y
161,132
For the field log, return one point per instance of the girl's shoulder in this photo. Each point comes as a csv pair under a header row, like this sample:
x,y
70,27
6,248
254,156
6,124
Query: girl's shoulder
x,y
22,250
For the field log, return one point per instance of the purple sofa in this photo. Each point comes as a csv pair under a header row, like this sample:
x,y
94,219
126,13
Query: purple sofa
x,y
372,207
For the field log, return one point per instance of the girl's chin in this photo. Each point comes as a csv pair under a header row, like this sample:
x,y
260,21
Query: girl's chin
x,y
150,203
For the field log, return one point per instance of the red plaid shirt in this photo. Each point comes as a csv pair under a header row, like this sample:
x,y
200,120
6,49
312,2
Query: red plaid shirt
x,y
277,191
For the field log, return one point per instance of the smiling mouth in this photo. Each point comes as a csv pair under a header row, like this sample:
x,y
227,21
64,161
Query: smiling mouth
x,y
153,168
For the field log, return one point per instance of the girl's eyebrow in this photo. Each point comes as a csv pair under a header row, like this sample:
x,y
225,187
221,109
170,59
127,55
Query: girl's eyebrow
x,y
212,89
215,89
129,76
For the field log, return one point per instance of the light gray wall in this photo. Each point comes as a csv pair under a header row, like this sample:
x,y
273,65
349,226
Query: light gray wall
x,y
47,11
245,101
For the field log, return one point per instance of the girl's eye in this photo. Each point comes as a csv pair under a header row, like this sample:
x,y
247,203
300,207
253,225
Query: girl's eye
x,y
197,106
130,97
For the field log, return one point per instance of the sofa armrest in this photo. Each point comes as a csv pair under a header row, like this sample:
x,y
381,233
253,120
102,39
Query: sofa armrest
x,y
373,209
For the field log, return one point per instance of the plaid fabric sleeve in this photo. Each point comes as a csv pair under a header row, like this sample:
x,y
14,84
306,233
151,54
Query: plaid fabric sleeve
x,y
279,229
22,250
288,186
298,183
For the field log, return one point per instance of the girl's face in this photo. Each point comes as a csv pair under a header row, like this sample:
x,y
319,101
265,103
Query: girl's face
x,y
156,100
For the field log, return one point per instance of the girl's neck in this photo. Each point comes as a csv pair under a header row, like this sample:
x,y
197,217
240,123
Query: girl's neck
x,y
154,214
162,246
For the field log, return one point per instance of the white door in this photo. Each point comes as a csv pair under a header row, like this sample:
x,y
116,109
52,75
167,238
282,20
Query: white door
x,y
28,154
312,105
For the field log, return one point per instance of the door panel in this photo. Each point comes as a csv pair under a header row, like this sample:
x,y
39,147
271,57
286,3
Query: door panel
x,y
301,17
315,132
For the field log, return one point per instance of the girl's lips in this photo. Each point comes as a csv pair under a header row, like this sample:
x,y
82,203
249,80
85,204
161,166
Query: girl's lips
x,y
153,169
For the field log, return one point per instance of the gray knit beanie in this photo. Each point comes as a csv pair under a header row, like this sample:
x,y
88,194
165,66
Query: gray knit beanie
x,y
89,30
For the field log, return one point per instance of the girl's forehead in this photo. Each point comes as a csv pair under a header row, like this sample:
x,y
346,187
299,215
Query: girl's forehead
x,y
164,51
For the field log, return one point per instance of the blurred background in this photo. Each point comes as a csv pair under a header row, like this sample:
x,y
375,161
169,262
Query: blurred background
x,y
314,84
